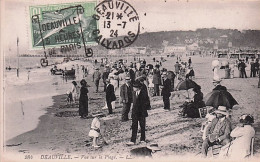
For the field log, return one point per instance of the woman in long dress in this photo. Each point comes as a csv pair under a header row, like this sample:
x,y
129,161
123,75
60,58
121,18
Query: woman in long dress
x,y
74,91
83,100
243,134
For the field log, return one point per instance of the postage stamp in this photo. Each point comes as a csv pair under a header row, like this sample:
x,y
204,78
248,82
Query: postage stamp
x,y
119,24
67,26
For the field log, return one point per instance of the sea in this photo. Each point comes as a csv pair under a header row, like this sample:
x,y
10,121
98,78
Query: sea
x,y
27,96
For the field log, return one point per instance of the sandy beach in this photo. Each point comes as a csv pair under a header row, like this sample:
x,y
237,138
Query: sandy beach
x,y
61,131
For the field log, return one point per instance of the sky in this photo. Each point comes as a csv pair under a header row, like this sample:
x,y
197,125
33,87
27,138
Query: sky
x,y
155,15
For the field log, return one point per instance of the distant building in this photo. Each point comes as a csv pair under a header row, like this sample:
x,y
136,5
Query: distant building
x,y
176,49
193,47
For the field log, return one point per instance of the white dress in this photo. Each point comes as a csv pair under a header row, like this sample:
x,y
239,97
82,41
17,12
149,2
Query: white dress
x,y
94,126
240,147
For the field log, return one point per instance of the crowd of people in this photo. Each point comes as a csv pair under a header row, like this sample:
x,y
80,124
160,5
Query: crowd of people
x,y
134,84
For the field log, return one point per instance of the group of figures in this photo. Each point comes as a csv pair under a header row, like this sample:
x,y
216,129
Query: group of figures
x,y
138,82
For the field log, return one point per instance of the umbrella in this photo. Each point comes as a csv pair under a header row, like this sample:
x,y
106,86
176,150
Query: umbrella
x,y
220,98
187,84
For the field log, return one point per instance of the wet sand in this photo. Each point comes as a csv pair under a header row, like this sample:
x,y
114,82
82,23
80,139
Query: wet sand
x,y
175,135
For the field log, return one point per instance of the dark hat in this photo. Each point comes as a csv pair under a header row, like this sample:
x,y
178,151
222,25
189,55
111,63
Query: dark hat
x,y
246,119
83,82
74,82
137,84
97,114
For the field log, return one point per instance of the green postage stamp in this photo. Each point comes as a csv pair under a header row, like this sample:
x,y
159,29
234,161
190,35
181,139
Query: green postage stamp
x,y
60,25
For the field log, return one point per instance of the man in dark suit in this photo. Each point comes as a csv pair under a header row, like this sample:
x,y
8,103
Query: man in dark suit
x,y
218,131
96,78
156,80
139,112
243,69
131,73
105,77
126,94
166,91
110,95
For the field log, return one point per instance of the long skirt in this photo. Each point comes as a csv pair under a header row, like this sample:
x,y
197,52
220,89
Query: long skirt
x,y
83,108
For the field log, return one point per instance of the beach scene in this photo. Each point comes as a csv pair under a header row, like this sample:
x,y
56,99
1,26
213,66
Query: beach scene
x,y
185,93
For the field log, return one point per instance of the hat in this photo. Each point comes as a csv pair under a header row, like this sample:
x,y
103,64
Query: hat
x,y
96,114
222,110
83,82
127,78
246,119
137,84
154,147
216,80
97,68
164,73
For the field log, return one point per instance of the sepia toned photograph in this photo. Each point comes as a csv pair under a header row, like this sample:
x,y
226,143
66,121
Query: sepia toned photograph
x,y
130,80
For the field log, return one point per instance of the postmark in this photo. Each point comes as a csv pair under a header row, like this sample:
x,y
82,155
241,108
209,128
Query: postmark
x,y
66,27
119,24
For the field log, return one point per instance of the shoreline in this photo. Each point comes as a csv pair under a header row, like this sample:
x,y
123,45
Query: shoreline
x,y
67,134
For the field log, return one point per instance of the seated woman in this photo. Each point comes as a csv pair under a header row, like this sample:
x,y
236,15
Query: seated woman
x,y
243,133
191,109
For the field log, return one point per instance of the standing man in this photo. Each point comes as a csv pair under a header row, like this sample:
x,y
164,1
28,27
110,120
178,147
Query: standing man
x,y
256,66
252,68
177,67
218,131
126,94
96,78
243,69
131,73
105,77
166,91
156,80
189,61
110,96
139,112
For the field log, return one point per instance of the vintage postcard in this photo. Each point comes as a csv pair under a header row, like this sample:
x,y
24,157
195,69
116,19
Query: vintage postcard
x,y
128,80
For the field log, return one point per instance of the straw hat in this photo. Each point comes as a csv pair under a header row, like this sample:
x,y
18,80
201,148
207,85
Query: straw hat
x,y
164,73
222,110
154,147
216,80
97,114
127,78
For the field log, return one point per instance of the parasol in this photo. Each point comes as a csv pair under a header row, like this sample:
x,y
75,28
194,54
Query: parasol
x,y
187,84
220,98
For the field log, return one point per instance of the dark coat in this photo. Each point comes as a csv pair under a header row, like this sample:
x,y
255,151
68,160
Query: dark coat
x,y
126,93
110,93
140,104
225,129
132,74
198,100
83,93
157,77
105,76
166,90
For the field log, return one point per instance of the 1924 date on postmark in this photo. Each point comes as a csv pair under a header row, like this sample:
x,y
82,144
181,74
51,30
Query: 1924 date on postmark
x,y
119,24
113,24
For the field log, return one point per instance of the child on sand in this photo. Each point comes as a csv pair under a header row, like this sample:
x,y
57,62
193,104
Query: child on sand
x,y
95,129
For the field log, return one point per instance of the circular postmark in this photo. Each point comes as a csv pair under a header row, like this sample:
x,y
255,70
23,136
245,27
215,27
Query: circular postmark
x,y
119,24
